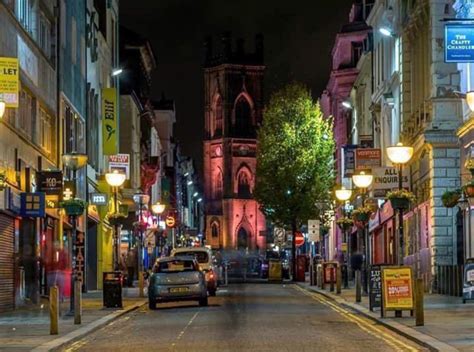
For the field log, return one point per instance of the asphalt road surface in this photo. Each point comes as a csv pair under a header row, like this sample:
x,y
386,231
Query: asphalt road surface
x,y
246,317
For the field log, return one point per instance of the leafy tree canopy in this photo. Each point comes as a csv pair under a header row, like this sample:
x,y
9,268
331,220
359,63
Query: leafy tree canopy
x,y
295,159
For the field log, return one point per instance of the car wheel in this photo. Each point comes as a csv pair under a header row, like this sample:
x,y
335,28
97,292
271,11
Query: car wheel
x,y
203,302
152,303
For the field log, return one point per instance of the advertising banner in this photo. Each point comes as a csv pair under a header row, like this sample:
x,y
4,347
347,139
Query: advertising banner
x,y
368,158
9,81
386,179
459,43
109,121
397,288
348,167
121,163
375,287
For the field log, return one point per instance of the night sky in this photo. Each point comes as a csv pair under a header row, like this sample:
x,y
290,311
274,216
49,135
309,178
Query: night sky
x,y
298,38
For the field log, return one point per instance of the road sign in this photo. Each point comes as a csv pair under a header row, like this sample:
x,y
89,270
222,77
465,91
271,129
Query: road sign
x,y
170,221
278,235
313,230
299,239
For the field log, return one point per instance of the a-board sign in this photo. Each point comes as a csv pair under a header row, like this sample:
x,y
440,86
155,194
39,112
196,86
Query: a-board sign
x,y
397,288
375,287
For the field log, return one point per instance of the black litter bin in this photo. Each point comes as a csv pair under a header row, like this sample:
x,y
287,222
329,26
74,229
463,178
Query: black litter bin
x,y
112,293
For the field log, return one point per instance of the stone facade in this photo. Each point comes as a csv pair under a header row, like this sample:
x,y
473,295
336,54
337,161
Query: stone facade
x,y
233,110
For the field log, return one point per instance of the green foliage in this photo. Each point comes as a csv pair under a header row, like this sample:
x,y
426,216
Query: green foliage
x,y
450,198
295,167
362,210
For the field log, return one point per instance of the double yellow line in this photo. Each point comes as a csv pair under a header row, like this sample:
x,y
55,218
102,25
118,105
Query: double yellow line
x,y
365,324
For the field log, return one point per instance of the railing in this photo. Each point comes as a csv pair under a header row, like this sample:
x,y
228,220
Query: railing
x,y
449,280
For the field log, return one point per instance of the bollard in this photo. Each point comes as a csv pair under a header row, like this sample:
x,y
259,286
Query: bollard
x,y
77,302
331,286
322,278
338,279
141,283
358,287
419,308
53,310
225,274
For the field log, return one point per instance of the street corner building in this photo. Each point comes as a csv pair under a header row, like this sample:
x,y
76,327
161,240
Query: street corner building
x,y
399,75
233,88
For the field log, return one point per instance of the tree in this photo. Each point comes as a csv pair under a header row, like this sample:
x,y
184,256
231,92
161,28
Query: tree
x,y
295,159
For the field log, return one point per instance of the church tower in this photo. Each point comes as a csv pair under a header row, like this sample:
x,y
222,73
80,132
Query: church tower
x,y
233,89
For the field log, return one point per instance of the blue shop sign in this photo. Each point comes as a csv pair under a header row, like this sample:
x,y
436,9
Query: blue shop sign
x,y
33,205
459,43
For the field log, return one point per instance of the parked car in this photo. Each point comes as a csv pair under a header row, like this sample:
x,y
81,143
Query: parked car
x,y
205,260
177,279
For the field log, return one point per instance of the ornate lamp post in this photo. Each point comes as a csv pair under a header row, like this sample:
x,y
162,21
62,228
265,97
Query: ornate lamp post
x,y
158,209
141,200
343,195
115,179
363,180
399,155
73,162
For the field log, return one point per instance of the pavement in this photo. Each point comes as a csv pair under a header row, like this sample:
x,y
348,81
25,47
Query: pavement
x,y
27,328
449,324
246,317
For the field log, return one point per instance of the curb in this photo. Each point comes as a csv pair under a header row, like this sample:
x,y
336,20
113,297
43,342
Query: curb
x,y
410,333
85,330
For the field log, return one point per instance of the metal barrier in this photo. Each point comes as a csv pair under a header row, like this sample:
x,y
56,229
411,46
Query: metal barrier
x,y
449,280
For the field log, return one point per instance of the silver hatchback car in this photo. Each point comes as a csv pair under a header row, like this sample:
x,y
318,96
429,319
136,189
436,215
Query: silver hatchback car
x,y
177,279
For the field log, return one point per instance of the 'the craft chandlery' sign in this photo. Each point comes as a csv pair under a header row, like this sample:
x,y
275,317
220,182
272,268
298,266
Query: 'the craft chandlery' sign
x,y
459,43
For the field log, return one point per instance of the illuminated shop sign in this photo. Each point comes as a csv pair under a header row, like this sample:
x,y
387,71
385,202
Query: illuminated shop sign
x,y
459,43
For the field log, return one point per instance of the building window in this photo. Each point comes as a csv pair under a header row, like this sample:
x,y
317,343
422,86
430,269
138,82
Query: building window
x,y
357,49
215,230
244,185
74,131
44,35
218,117
24,14
27,114
218,186
46,132
73,41
243,117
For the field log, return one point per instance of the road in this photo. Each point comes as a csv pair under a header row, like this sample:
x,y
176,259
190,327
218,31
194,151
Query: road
x,y
246,317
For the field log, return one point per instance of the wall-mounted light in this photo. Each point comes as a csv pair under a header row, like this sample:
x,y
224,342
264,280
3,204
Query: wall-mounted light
x,y
116,71
385,31
195,194
347,104
199,200
190,183
3,107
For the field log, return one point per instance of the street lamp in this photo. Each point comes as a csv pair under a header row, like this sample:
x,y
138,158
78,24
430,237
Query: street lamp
x,y
363,180
115,179
400,155
158,208
74,161
140,199
343,195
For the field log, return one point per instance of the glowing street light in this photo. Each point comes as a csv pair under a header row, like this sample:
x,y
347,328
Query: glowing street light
x,y
343,194
362,180
399,154
387,32
115,178
158,208
117,71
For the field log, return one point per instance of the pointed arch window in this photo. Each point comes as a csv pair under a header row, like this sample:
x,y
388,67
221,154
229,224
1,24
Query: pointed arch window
x,y
243,117
218,117
218,185
243,189
215,229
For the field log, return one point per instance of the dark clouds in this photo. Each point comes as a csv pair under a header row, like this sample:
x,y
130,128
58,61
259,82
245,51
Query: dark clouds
x,y
298,34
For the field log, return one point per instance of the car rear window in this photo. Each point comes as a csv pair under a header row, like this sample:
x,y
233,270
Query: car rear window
x,y
175,266
201,256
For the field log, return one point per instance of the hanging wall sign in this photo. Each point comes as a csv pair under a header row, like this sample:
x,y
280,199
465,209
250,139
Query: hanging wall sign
x,y
9,81
459,43
109,120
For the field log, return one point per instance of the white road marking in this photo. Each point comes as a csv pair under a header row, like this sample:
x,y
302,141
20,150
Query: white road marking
x,y
184,330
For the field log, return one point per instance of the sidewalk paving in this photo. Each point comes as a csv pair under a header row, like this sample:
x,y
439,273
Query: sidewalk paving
x,y
27,327
447,319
